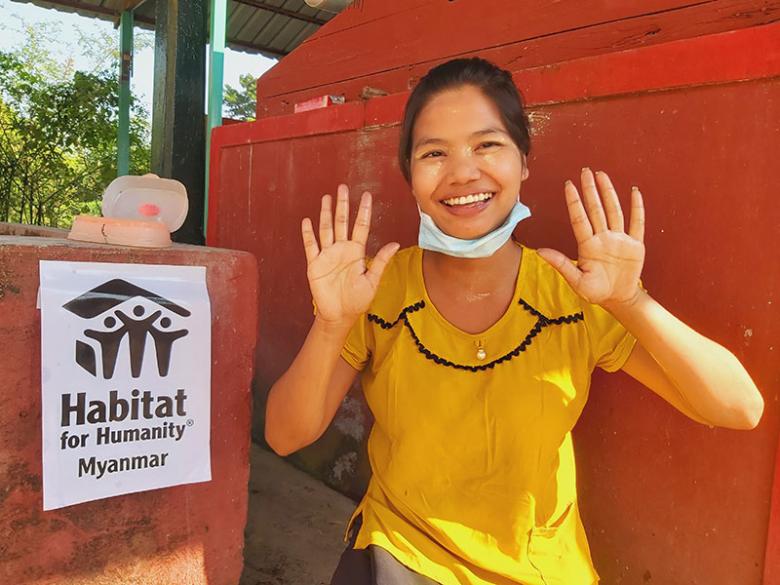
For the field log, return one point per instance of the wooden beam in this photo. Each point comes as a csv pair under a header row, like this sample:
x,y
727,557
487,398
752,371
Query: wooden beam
x,y
131,4
76,5
283,11
114,15
98,11
256,47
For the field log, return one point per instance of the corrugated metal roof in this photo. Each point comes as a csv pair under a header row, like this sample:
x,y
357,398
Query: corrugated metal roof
x,y
271,27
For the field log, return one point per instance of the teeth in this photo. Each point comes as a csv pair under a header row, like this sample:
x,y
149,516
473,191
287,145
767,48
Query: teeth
x,y
467,199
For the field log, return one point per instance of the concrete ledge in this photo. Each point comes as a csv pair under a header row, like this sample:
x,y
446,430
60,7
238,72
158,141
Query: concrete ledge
x,y
22,229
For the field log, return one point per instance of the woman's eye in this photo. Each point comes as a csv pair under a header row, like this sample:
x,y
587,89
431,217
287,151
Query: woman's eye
x,y
484,145
433,154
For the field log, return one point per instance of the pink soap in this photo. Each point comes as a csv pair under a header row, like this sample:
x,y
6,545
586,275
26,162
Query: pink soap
x,y
149,209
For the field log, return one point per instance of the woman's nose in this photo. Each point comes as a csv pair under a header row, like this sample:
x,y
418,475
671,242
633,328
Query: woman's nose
x,y
463,168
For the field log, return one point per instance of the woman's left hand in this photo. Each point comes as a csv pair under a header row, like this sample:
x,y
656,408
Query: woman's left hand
x,y
610,260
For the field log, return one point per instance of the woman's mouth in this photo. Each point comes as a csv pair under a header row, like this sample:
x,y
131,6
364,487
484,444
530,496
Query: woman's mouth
x,y
468,205
468,199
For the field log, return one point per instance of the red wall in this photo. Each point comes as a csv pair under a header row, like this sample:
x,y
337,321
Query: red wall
x,y
189,534
696,124
389,45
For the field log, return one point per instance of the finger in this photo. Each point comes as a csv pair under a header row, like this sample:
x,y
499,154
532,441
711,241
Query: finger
x,y
611,202
563,265
592,202
342,213
326,222
636,226
309,241
580,223
380,261
363,220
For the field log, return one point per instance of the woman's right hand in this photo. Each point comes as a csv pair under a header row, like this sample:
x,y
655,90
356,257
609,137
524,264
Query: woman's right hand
x,y
341,285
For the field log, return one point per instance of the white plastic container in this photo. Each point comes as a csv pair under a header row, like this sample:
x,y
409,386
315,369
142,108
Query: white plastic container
x,y
132,197
137,211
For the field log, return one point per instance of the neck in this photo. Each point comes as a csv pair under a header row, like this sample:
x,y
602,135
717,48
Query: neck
x,y
477,274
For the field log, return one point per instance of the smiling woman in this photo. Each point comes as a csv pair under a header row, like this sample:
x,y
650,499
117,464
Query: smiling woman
x,y
476,352
468,177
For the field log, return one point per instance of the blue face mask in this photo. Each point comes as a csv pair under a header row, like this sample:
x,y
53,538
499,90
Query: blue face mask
x,y
433,239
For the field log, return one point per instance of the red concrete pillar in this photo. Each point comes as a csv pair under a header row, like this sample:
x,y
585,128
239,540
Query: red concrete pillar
x,y
191,534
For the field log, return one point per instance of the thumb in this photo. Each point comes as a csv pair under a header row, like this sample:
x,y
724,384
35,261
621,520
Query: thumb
x,y
378,265
562,264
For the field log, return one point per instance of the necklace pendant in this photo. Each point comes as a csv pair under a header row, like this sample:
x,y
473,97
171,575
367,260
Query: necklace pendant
x,y
481,353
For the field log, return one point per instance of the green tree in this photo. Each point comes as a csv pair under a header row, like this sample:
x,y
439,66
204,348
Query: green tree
x,y
240,104
58,135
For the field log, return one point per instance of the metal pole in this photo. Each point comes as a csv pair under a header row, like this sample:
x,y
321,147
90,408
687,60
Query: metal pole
x,y
216,80
125,72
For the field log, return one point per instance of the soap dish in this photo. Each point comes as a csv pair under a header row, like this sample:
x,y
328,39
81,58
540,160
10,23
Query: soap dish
x,y
120,232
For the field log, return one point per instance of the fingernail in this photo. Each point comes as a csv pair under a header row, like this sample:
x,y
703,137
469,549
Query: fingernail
x,y
568,183
585,169
599,173
635,188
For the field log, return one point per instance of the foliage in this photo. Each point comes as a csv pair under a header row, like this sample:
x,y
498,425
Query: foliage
x,y
58,133
240,104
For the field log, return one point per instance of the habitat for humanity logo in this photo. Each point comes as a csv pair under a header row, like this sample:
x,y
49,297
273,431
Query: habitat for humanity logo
x,y
145,322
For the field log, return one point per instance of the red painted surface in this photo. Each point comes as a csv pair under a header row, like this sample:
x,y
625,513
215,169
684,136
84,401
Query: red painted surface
x,y
740,55
695,123
389,45
732,56
190,534
772,568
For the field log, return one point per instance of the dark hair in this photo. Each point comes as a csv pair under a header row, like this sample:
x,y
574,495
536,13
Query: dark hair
x,y
494,82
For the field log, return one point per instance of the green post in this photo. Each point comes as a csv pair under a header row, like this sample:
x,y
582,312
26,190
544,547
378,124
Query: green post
x,y
126,68
178,119
216,80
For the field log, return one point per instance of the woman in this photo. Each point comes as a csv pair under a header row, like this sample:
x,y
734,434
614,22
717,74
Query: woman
x,y
476,352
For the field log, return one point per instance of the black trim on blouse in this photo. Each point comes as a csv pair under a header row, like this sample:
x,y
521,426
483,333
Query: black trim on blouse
x,y
542,322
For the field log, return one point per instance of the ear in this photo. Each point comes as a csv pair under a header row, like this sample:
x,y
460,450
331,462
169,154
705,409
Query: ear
x,y
526,172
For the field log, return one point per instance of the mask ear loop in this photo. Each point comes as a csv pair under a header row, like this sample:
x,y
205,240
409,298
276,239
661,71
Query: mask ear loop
x,y
512,235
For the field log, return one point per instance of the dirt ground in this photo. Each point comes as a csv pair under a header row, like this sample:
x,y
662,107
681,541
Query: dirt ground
x,y
294,532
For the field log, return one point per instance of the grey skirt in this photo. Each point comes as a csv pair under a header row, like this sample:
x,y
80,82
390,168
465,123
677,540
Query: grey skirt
x,y
373,566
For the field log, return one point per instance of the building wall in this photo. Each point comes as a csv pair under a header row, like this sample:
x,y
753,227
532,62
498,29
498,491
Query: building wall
x,y
696,124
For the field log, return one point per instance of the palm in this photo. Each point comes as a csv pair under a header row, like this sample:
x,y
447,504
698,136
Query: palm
x,y
609,259
611,264
341,284
338,281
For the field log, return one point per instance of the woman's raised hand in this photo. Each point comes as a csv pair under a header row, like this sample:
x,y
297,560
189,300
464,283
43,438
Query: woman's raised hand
x,y
610,260
341,285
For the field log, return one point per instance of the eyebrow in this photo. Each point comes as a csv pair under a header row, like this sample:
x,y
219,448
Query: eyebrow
x,y
491,130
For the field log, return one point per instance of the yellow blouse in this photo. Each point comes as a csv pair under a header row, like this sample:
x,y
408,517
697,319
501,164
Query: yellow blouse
x,y
472,459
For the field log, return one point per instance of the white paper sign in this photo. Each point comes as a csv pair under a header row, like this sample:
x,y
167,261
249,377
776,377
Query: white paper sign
x,y
126,379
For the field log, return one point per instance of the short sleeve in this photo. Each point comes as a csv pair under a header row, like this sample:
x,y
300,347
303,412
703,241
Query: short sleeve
x,y
357,348
610,342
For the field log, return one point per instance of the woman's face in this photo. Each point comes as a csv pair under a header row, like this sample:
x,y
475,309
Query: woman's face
x,y
466,170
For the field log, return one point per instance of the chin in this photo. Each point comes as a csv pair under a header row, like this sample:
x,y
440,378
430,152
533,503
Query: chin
x,y
471,230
